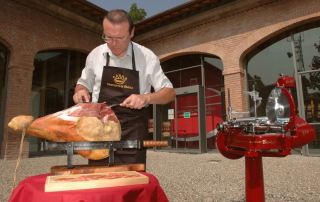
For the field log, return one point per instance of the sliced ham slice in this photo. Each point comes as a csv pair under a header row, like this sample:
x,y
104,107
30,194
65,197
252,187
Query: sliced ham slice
x,y
82,122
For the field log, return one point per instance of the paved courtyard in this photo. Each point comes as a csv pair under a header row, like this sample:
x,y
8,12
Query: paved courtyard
x,y
201,177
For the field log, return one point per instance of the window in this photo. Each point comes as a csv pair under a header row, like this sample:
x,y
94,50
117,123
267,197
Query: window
x,y
54,78
275,57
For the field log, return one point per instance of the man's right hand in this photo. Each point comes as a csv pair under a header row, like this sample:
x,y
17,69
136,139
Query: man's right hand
x,y
81,94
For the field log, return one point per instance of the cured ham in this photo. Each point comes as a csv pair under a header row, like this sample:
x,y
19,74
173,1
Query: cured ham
x,y
82,122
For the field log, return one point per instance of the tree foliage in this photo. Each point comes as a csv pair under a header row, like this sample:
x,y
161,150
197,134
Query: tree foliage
x,y
137,14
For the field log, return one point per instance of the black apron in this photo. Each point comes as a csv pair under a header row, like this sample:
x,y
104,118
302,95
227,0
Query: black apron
x,y
117,84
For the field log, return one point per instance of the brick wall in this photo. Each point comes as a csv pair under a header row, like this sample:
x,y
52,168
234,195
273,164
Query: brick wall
x,y
27,28
230,32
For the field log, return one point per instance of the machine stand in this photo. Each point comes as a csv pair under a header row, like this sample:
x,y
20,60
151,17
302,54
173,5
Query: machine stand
x,y
254,179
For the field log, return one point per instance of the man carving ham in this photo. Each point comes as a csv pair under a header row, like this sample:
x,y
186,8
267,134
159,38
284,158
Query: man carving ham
x,y
123,72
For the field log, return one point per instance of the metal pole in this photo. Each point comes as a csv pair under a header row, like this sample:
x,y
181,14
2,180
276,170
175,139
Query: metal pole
x,y
66,88
203,80
254,179
254,101
155,118
202,120
176,118
297,77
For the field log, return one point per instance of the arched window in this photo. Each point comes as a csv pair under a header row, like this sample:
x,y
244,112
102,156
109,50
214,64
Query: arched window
x,y
298,49
54,78
4,54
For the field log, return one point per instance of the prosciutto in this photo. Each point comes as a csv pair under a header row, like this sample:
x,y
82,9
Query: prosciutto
x,y
82,122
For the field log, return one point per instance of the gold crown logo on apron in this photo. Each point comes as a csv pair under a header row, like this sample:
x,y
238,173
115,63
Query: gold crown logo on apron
x,y
119,79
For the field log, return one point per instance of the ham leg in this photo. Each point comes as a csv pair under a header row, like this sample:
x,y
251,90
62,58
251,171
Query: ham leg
x,y
82,122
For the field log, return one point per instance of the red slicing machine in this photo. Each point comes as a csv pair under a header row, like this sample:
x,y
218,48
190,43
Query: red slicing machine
x,y
272,136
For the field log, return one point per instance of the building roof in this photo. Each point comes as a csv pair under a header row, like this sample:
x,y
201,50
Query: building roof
x,y
178,13
95,13
83,8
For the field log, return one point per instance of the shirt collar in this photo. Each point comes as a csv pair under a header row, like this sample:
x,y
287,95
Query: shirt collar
x,y
128,53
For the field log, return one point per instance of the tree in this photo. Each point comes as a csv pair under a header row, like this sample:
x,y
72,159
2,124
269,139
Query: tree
x,y
315,65
137,14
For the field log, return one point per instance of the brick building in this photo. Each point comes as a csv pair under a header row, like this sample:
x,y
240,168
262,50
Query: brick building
x,y
214,44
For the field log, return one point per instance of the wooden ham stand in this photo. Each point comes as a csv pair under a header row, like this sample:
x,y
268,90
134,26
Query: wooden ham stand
x,y
70,147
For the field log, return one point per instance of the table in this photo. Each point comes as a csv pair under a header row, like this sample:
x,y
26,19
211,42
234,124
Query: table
x,y
31,189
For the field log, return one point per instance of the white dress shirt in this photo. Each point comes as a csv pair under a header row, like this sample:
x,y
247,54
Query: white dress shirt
x,y
147,63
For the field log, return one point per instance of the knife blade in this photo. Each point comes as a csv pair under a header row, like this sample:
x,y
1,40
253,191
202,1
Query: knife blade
x,y
114,105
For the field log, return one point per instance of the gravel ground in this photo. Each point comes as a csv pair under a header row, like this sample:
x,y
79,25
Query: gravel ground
x,y
201,177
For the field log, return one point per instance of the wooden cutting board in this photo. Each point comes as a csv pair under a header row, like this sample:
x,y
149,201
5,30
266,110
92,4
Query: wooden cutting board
x,y
86,169
94,180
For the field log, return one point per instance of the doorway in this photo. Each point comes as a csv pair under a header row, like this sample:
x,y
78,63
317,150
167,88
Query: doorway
x,y
183,122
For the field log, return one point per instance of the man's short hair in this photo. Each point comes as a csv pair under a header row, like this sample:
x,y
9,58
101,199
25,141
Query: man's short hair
x,y
118,16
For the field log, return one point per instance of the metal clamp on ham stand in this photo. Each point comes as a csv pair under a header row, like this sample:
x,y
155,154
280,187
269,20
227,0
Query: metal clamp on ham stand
x,y
272,136
70,147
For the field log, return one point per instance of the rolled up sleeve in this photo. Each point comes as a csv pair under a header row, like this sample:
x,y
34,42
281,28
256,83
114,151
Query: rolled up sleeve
x,y
87,75
156,75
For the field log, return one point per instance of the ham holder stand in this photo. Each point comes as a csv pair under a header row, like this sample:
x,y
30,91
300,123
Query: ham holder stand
x,y
70,147
90,129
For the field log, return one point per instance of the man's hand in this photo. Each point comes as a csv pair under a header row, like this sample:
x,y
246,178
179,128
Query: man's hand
x,y
135,101
81,95
163,96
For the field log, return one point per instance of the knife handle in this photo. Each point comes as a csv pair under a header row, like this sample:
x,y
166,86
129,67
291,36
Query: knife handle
x,y
154,143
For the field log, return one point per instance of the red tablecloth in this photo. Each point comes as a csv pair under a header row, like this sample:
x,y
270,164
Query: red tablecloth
x,y
32,189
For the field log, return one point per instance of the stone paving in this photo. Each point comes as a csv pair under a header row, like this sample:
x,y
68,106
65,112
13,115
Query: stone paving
x,y
200,177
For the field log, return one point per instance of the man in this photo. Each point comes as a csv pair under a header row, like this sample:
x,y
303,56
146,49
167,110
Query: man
x,y
122,72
